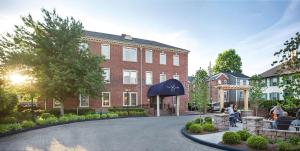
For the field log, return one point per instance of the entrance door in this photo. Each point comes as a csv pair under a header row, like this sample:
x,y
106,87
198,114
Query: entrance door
x,y
153,103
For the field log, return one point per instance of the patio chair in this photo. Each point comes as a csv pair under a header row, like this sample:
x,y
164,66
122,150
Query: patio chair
x,y
284,122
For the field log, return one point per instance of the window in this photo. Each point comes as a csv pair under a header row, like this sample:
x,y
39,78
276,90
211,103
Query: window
x,y
176,60
56,104
129,54
129,99
176,77
105,99
106,75
225,81
274,96
162,77
219,82
148,77
274,81
105,50
162,58
238,82
148,56
83,46
129,77
83,101
244,82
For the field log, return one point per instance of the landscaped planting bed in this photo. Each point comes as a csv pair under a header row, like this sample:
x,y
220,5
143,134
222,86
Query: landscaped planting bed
x,y
200,126
243,140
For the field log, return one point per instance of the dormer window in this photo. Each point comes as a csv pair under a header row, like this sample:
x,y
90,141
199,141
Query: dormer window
x,y
127,37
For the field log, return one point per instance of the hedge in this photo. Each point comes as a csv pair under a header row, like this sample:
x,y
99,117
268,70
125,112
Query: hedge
x,y
126,109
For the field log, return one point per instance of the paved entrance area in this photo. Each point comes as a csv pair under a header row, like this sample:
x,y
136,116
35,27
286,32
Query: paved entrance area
x,y
131,134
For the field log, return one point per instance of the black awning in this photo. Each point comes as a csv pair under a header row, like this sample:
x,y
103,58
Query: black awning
x,y
170,87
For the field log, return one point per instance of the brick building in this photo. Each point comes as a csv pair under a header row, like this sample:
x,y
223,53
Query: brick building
x,y
132,65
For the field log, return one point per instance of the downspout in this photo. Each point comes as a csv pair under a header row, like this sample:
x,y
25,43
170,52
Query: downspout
x,y
141,77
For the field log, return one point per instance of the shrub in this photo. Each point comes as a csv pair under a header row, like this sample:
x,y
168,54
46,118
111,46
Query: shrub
x,y
63,119
46,115
257,142
8,102
208,127
9,127
284,146
208,120
50,120
103,116
81,117
72,117
195,128
81,111
198,120
28,124
231,138
126,109
188,124
244,134
96,116
89,116
294,140
8,120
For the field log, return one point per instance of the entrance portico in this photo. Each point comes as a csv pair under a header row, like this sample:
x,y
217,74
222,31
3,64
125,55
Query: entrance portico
x,y
167,88
244,88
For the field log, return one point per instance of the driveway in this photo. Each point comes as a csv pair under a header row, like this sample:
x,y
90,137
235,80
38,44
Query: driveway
x,y
127,134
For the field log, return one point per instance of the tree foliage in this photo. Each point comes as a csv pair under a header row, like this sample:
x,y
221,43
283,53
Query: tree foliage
x,y
50,48
200,90
228,61
8,102
256,91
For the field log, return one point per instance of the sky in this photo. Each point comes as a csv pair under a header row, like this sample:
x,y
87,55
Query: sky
x,y
255,29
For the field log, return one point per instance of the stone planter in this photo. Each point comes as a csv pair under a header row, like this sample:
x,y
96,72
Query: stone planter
x,y
247,113
253,124
221,121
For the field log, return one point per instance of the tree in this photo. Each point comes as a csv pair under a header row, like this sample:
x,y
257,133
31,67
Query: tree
x,y
256,91
200,90
289,63
228,61
8,101
54,50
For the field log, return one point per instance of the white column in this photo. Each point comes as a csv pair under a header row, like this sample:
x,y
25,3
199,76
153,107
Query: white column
x,y
221,92
246,95
157,106
177,105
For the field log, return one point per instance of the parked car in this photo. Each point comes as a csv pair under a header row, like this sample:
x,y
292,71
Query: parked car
x,y
214,106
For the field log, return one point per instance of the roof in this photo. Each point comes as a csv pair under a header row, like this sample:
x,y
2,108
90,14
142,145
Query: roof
x,y
276,71
121,38
171,87
239,75
190,79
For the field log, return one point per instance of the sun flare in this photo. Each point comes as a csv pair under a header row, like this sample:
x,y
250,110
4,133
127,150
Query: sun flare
x,y
17,78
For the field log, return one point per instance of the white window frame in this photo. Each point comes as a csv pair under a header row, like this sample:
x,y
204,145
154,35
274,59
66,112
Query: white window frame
x,y
150,60
146,78
130,103
108,55
54,106
160,58
108,75
123,52
160,80
88,100
176,75
109,102
176,56
136,81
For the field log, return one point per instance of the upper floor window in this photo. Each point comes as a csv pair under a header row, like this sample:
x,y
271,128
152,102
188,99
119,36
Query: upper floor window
x,y
219,82
129,77
244,82
83,101
105,99
163,58
238,82
129,54
162,77
176,77
105,50
106,75
148,77
274,81
148,56
176,60
83,46
129,99
225,81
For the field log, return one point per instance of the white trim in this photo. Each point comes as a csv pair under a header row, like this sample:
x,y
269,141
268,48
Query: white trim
x,y
160,55
148,50
176,55
176,75
136,81
160,78
53,104
88,100
108,75
130,98
136,60
108,57
109,102
146,77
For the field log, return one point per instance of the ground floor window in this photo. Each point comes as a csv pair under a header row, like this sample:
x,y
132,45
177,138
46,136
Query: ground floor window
x,y
129,98
105,99
56,103
83,101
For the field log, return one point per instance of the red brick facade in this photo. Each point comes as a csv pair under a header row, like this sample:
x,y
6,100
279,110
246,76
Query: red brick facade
x,y
214,96
117,65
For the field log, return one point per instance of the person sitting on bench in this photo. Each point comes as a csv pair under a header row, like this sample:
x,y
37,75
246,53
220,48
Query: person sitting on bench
x,y
232,116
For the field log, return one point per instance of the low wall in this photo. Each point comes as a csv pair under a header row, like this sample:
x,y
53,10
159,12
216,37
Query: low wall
x,y
278,134
253,123
221,121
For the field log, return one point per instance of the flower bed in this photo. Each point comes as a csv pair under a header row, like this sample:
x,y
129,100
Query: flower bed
x,y
243,140
47,119
200,126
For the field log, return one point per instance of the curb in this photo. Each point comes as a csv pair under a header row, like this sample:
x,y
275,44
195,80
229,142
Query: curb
x,y
56,124
206,143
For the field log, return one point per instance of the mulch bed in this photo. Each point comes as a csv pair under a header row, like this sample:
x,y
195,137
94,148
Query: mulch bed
x,y
244,146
